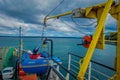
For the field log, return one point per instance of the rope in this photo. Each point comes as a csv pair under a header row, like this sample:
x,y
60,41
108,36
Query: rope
x,y
43,30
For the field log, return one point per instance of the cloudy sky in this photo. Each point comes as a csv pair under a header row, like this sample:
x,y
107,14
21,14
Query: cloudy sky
x,y
29,14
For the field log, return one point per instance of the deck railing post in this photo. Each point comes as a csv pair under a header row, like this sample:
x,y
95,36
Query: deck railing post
x,y
89,71
69,62
57,78
51,71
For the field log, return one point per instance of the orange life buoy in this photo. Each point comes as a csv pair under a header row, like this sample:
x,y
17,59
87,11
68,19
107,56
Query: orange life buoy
x,y
87,41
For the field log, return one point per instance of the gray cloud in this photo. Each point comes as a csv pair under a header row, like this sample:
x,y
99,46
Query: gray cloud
x,y
26,10
30,14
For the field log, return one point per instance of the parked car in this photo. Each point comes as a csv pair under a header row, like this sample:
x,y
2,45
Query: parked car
x,y
8,72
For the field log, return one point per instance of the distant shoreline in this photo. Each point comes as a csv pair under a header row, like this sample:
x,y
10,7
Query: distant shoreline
x,y
111,43
106,42
40,37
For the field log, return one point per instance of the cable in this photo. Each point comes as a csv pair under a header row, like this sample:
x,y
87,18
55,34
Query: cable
x,y
72,27
84,24
54,8
47,16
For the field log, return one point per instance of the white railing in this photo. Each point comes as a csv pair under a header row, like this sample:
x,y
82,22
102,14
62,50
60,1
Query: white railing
x,y
73,63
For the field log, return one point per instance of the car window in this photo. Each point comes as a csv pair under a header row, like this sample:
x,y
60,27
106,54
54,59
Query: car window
x,y
5,71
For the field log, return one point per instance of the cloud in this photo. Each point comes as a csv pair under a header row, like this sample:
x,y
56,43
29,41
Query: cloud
x,y
8,21
110,20
5,31
69,28
59,26
111,24
11,25
79,4
30,14
26,10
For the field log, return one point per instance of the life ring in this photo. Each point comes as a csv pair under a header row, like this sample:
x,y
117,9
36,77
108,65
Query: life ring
x,y
87,41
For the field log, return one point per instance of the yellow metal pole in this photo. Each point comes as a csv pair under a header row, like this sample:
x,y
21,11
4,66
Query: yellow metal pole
x,y
118,48
94,41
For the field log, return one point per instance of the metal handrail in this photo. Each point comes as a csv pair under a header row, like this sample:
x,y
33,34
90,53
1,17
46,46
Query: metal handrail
x,y
68,71
90,68
74,71
93,77
58,73
94,62
74,66
74,60
100,73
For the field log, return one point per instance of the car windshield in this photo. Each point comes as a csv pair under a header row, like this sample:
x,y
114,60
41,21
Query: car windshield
x,y
5,71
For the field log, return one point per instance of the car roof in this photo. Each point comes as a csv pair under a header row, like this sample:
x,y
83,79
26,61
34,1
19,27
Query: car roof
x,y
8,68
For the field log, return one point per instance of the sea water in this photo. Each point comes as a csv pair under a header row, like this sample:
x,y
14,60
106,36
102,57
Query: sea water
x,y
61,47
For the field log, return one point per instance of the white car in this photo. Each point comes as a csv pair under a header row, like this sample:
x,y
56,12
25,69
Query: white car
x,y
8,72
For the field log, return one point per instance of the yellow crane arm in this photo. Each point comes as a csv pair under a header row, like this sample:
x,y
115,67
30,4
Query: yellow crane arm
x,y
89,12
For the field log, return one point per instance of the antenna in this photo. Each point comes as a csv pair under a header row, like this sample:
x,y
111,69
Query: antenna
x,y
20,41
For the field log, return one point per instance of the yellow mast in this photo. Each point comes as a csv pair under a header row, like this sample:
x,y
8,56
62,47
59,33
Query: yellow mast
x,y
115,12
117,76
